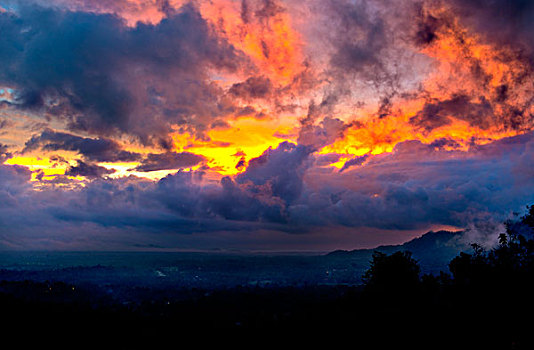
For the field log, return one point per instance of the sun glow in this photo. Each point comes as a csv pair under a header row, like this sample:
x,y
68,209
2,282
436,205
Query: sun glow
x,y
244,139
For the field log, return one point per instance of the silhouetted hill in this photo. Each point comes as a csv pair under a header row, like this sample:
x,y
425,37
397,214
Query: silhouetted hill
x,y
433,250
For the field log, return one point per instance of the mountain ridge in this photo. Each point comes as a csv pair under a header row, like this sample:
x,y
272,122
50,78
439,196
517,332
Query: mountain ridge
x,y
433,250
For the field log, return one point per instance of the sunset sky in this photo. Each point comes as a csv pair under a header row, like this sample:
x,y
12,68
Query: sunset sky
x,y
262,125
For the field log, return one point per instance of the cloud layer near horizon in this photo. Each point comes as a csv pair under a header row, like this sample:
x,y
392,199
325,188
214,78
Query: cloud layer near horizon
x,y
202,124
413,188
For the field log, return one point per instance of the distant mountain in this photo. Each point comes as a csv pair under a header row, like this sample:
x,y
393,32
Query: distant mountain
x,y
433,250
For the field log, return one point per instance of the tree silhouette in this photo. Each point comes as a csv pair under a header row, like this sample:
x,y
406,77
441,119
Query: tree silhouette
x,y
485,298
511,262
392,278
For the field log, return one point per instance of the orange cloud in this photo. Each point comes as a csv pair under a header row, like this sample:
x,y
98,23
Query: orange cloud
x,y
477,92
263,31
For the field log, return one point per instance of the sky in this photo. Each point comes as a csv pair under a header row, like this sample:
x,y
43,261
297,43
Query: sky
x,y
262,125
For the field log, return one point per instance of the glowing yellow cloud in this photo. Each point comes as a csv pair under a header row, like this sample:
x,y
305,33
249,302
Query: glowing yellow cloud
x,y
246,137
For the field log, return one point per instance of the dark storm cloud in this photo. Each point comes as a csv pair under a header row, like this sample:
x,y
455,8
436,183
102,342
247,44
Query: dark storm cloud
x,y
281,170
14,182
360,38
99,149
504,21
241,164
445,143
367,51
253,87
434,115
353,162
415,186
4,153
103,77
225,205
66,55
270,8
170,160
321,135
261,194
88,170
327,159
418,185
427,28
411,188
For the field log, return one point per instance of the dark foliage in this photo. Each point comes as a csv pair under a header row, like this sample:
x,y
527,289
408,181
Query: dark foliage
x,y
484,302
398,271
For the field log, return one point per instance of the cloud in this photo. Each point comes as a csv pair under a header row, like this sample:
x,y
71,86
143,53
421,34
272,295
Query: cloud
x,y
364,38
354,161
4,154
259,195
14,183
102,77
92,149
490,69
435,115
365,49
281,170
389,80
506,22
415,187
252,88
88,170
170,160
321,135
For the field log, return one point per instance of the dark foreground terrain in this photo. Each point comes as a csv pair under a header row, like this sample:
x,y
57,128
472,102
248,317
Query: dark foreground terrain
x,y
484,300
